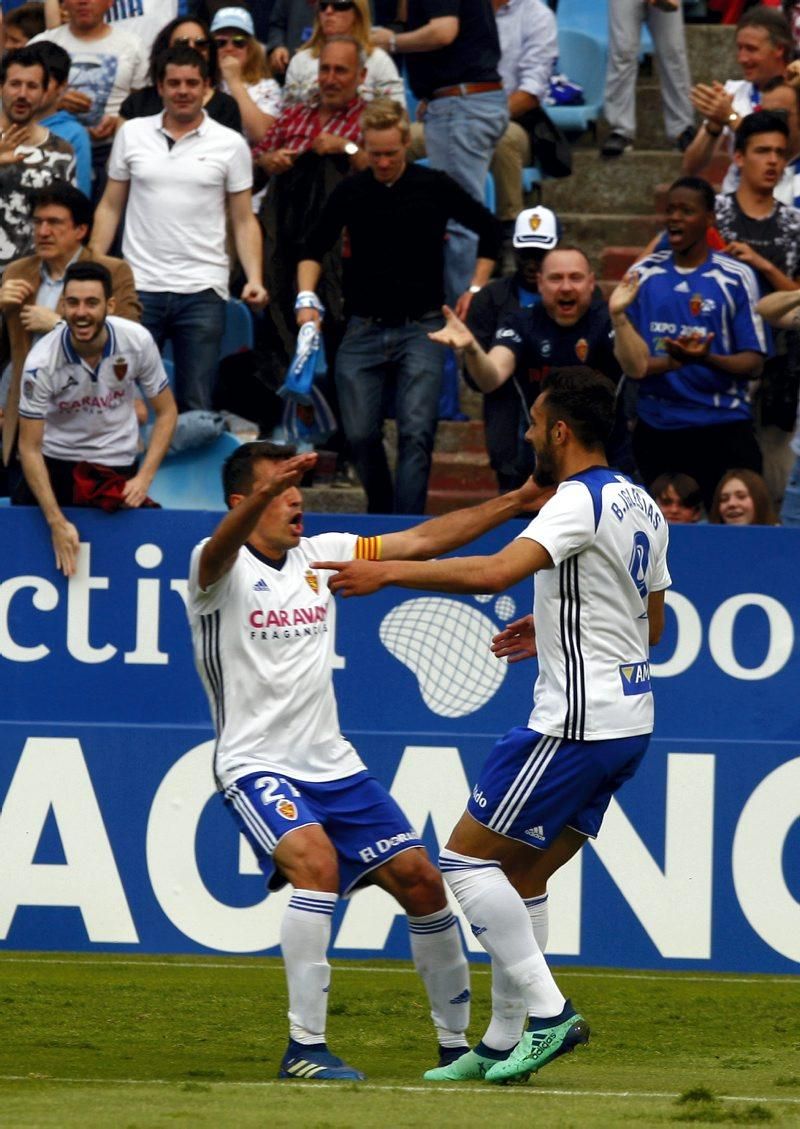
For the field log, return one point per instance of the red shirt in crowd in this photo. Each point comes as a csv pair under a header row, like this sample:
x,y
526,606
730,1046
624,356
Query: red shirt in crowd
x,y
297,126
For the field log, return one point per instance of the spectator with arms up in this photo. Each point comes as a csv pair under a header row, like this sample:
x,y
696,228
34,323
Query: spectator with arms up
x,y
180,174
77,405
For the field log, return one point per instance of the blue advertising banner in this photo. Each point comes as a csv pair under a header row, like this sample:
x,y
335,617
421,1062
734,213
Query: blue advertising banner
x,y
112,835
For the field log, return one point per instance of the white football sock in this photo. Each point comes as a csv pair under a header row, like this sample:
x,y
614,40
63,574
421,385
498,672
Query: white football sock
x,y
540,919
499,919
305,936
439,959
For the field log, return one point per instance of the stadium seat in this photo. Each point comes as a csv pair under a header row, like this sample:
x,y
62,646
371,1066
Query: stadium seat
x,y
191,479
583,58
238,332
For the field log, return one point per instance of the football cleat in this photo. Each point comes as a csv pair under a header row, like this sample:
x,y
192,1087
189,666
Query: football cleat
x,y
469,1066
315,1063
538,1047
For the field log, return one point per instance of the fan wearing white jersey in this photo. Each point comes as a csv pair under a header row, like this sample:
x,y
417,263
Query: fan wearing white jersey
x,y
598,552
261,623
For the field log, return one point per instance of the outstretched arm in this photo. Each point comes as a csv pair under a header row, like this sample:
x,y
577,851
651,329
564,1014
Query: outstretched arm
x,y
521,558
781,308
488,370
219,552
451,531
629,348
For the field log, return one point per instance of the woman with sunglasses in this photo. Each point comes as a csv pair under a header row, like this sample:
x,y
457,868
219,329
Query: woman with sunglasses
x,y
342,17
185,32
244,70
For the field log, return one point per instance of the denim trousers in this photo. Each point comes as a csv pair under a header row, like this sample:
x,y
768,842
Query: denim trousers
x,y
194,324
461,133
380,367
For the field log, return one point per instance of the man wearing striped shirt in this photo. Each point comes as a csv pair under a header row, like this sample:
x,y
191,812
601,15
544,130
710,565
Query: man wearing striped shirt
x,y
261,618
598,551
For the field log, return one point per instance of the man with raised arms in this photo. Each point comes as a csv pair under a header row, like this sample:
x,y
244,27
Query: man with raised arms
x,y
598,552
260,617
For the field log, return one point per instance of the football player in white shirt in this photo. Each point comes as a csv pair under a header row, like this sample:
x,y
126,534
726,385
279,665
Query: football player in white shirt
x,y
260,617
598,551
76,404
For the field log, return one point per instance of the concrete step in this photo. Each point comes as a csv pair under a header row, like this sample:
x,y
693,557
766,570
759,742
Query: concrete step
x,y
444,501
711,50
334,500
622,187
466,471
593,231
615,261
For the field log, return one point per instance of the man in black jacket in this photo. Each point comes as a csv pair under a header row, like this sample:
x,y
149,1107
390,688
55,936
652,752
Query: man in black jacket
x,y
396,216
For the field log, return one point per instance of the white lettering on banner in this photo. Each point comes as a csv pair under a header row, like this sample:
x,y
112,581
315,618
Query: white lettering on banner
x,y
781,636
81,584
52,774
686,880
758,848
689,640
172,863
44,599
148,594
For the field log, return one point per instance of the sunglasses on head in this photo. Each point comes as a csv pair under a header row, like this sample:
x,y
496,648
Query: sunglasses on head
x,y
336,5
234,40
187,41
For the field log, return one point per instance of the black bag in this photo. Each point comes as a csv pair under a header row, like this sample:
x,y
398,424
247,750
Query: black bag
x,y
550,148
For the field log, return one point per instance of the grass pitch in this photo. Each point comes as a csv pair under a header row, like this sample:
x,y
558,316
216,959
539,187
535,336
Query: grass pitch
x,y
128,1042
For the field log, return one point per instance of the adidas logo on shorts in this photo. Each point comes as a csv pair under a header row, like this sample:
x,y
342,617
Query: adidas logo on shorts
x,y
536,833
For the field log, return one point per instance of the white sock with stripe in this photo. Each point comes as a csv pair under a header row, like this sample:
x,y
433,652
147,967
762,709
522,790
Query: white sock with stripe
x,y
439,959
499,919
538,912
305,936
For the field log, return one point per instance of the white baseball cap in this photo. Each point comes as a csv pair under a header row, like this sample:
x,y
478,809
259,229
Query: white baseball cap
x,y
536,228
238,18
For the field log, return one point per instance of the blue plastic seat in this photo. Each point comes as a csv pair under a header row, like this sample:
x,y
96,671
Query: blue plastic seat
x,y
238,332
583,58
191,480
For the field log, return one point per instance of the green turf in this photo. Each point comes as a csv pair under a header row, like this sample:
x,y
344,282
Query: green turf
x,y
140,1042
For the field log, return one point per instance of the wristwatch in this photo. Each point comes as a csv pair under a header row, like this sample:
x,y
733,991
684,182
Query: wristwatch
x,y
351,149
475,289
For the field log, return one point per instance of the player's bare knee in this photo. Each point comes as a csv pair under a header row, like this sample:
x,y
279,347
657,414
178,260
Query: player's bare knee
x,y
420,889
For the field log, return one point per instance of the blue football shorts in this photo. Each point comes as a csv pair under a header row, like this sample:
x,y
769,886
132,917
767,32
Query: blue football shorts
x,y
533,786
366,826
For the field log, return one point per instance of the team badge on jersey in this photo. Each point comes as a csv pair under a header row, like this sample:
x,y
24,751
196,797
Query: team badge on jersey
x,y
27,387
582,350
287,808
696,305
120,366
312,580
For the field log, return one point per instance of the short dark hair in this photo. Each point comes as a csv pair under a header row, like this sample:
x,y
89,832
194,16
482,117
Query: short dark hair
x,y
180,57
584,399
65,195
55,58
774,23
698,185
765,121
29,18
88,271
237,470
684,485
161,44
24,57
565,247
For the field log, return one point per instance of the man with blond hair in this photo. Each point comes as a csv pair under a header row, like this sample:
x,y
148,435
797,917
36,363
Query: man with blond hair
x,y
396,216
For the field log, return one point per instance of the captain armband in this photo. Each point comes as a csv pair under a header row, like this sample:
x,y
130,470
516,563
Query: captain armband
x,y
367,549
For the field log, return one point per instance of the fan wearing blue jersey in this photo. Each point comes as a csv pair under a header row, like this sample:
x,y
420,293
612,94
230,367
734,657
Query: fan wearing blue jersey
x,y
261,619
685,327
597,550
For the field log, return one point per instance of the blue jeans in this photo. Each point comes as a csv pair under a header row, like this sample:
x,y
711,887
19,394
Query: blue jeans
x,y
460,135
790,509
194,324
376,364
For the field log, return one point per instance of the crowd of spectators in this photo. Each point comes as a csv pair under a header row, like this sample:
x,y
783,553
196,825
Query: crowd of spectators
x,y
163,156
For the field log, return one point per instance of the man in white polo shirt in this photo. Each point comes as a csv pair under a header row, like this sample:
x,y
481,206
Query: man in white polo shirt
x,y
77,405
177,171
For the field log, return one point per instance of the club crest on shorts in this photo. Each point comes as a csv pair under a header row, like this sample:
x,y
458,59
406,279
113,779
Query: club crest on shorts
x,y
696,305
582,350
312,580
120,366
287,808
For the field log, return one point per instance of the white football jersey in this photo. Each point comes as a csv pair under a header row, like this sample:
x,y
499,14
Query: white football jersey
x,y
608,541
87,413
263,640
